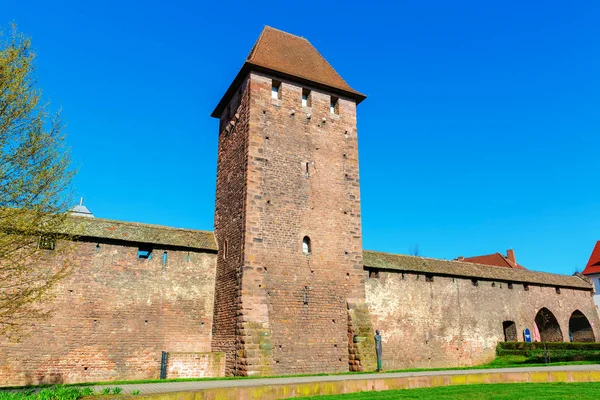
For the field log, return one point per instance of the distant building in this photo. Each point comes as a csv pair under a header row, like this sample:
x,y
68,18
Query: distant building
x,y
592,271
499,260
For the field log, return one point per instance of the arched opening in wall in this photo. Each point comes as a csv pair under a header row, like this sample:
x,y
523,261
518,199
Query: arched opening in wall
x,y
306,246
510,331
548,326
580,329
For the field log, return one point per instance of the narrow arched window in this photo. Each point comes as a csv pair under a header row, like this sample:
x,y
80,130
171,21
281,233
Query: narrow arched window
x,y
306,247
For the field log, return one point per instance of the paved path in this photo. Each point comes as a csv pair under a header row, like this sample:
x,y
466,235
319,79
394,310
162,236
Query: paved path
x,y
167,387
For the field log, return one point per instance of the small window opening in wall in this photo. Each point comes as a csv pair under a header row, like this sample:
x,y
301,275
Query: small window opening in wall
x,y
188,257
97,247
428,278
373,274
145,253
276,90
164,261
475,282
306,98
306,169
306,246
557,290
526,287
47,242
510,285
225,250
334,106
305,295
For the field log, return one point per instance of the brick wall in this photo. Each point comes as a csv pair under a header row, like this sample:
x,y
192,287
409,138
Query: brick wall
x,y
294,306
195,365
450,322
230,225
114,315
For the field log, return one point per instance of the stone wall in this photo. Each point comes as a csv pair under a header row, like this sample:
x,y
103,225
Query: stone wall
x,y
436,321
229,228
114,315
286,172
302,182
195,365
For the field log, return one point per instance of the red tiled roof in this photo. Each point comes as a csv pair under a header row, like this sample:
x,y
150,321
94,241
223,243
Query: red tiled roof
x,y
495,259
593,265
295,56
286,55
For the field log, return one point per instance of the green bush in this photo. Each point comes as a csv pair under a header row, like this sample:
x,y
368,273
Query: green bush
x,y
548,345
555,351
53,393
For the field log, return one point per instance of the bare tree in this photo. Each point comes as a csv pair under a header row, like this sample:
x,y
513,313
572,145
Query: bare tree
x,y
34,186
414,250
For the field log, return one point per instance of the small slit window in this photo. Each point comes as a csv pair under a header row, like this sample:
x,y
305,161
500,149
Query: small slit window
x,y
165,258
306,98
276,90
145,253
428,278
306,246
334,106
475,282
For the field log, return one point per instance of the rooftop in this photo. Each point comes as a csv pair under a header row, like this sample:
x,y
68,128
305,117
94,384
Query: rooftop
x,y
293,57
433,266
593,265
134,232
140,233
496,259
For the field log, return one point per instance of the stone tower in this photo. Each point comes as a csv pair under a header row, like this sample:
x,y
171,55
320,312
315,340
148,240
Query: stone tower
x,y
287,217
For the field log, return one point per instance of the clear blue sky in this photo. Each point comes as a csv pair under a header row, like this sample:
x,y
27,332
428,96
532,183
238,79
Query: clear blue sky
x,y
481,130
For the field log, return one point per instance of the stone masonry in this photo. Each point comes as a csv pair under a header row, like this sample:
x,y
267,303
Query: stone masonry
x,y
283,285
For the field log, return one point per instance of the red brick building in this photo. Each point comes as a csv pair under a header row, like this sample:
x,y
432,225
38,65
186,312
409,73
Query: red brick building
x,y
592,271
499,260
283,285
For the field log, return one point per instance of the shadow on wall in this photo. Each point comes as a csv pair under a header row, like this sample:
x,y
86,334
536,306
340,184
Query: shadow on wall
x,y
580,329
52,378
548,326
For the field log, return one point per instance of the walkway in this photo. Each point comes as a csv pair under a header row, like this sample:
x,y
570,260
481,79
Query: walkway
x,y
168,387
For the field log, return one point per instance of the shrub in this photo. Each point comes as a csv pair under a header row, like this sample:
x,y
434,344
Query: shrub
x,y
556,351
117,390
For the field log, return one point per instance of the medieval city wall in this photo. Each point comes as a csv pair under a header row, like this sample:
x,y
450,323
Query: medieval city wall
x,y
437,321
115,315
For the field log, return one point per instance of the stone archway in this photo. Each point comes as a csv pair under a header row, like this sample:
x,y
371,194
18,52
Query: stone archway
x,y
548,326
580,329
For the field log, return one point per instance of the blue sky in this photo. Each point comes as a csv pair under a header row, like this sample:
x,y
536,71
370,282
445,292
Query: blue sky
x,y
480,131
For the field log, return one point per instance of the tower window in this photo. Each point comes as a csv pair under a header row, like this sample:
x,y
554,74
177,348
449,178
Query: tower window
x,y
306,98
275,90
306,247
334,105
145,253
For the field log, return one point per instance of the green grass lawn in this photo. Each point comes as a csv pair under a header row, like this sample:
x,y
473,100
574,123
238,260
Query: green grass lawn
x,y
499,362
521,391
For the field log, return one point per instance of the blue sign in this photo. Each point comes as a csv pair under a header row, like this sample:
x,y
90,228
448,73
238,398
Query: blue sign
x,y
527,335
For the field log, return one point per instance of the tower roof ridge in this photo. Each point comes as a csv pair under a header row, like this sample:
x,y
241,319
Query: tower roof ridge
x,y
293,57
